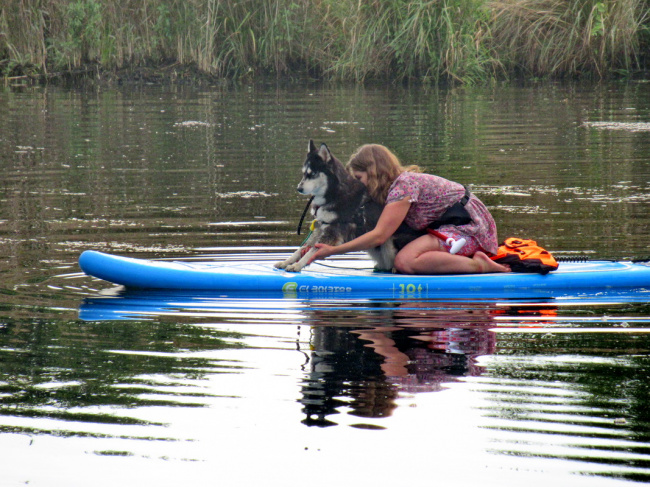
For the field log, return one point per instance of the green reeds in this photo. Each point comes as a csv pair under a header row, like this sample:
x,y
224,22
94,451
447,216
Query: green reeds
x,y
561,38
466,41
22,36
398,39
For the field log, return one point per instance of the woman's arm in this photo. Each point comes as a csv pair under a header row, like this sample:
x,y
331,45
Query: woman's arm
x,y
390,219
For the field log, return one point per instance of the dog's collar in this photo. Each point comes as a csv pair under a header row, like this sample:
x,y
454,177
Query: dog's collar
x,y
316,208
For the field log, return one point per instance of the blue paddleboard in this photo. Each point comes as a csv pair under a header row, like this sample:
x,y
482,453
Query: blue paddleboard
x,y
594,278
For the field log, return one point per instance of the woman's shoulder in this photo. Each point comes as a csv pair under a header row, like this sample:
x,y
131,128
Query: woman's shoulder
x,y
407,184
412,176
405,178
419,184
420,178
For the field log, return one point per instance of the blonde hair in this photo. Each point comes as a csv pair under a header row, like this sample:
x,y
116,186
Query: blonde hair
x,y
382,167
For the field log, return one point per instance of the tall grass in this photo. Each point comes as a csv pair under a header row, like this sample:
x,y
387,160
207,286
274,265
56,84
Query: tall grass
x,y
467,41
429,40
22,34
569,38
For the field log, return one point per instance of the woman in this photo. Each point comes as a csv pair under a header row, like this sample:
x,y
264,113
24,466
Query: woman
x,y
419,199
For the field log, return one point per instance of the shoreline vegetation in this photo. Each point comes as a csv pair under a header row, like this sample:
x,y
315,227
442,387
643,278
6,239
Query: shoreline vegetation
x,y
434,41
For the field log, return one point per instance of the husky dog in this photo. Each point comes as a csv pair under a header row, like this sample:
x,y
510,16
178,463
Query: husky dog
x,y
343,210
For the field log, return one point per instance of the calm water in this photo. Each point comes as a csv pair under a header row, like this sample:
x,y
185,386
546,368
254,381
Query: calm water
x,y
101,387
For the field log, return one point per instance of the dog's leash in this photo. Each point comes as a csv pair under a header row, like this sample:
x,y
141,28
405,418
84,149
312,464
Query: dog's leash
x,y
302,218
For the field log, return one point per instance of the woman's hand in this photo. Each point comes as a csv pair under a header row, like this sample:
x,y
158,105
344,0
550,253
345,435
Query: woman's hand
x,y
323,251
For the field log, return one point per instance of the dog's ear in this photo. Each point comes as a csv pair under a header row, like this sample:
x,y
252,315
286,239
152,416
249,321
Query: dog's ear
x,y
324,153
312,146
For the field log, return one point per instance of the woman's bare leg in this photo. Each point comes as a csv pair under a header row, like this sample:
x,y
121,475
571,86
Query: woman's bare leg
x,y
427,255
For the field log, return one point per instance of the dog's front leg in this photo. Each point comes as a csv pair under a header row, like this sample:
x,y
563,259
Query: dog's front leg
x,y
386,259
295,257
297,267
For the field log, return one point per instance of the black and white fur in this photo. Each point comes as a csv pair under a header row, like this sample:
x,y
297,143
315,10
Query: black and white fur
x,y
343,211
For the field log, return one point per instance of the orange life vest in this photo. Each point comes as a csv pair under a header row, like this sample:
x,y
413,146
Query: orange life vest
x,y
524,255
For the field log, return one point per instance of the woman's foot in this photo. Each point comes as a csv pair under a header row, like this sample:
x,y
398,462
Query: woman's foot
x,y
486,265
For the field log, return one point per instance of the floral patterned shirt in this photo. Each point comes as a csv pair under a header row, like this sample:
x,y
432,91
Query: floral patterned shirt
x,y
430,196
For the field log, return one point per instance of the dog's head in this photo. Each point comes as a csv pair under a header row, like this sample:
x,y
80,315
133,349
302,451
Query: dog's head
x,y
317,170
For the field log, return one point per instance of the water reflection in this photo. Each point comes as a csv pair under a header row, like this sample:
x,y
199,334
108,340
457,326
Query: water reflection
x,y
361,355
363,371
97,374
573,400
186,374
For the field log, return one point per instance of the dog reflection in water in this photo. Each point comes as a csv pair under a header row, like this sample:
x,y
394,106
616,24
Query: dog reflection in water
x,y
414,349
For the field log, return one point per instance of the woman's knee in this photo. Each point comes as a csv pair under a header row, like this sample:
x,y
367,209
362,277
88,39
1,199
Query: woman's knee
x,y
406,259
403,263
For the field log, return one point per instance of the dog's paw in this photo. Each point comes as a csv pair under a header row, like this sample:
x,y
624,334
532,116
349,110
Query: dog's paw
x,y
280,265
293,268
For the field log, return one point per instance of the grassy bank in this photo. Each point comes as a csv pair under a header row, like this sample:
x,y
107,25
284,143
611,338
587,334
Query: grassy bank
x,y
467,41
